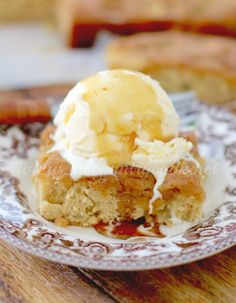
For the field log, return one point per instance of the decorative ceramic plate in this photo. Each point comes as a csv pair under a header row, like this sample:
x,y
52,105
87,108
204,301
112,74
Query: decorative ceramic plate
x,y
21,226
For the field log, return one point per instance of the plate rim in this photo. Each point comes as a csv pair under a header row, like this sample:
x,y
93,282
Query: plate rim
x,y
39,252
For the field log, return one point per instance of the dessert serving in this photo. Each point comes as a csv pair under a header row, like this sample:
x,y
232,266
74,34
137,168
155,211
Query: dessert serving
x,y
181,61
114,159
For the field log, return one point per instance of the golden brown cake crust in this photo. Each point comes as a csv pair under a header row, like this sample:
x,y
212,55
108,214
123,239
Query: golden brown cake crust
x,y
26,10
200,52
124,195
181,61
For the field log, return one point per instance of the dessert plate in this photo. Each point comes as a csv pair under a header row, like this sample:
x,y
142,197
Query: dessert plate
x,y
21,226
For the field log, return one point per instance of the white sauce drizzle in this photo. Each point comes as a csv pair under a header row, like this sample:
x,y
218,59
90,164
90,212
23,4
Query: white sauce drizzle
x,y
160,177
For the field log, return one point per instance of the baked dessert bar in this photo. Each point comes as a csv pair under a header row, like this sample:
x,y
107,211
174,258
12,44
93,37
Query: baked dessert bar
x,y
114,155
180,62
124,196
80,20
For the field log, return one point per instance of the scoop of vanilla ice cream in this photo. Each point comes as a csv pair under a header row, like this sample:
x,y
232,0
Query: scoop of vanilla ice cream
x,y
103,115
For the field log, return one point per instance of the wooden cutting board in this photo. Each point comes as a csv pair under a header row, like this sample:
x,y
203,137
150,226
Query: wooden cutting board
x,y
27,279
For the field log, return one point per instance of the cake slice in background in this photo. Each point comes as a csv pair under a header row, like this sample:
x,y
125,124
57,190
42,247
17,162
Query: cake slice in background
x,y
181,61
27,10
81,20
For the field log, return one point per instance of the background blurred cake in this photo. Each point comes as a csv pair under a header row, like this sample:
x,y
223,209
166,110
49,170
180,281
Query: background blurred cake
x,y
26,10
181,61
80,20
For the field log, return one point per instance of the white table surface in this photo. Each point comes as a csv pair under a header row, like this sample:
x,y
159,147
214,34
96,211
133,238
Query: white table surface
x,y
34,54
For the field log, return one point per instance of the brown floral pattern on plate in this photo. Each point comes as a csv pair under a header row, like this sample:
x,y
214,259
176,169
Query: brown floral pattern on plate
x,y
22,227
